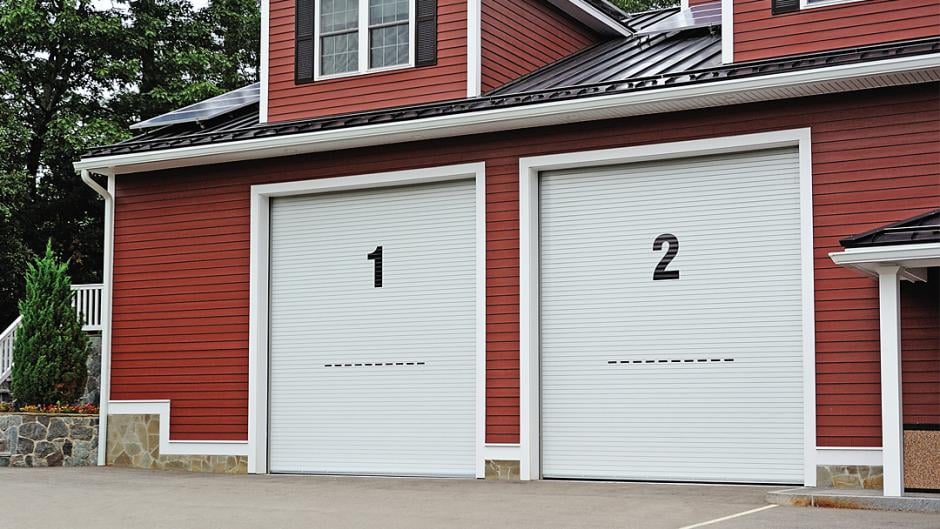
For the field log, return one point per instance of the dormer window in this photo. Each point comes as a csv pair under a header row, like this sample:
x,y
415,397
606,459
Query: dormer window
x,y
390,33
338,38
359,35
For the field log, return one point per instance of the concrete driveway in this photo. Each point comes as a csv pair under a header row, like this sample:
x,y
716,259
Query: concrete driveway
x,y
80,498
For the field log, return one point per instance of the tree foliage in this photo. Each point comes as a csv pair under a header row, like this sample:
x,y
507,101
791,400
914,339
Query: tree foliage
x,y
50,349
637,6
72,76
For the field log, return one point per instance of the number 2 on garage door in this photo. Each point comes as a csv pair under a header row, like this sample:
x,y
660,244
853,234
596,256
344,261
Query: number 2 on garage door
x,y
673,248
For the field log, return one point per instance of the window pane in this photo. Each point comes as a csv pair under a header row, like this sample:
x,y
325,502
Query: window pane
x,y
388,46
338,15
339,53
386,11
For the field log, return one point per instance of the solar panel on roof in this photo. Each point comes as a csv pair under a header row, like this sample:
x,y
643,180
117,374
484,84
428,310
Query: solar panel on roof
x,y
208,109
695,17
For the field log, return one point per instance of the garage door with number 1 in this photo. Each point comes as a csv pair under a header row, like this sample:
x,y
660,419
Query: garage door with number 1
x,y
372,334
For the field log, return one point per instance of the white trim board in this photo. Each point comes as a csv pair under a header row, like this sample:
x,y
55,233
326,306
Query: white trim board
x,y
848,456
529,170
501,451
261,196
264,60
474,48
842,78
727,31
167,446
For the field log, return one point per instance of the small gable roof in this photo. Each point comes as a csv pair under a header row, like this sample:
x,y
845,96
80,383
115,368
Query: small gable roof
x,y
923,228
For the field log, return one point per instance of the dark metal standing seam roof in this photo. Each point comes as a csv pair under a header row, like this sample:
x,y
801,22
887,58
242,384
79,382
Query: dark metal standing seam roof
x,y
915,230
626,58
680,59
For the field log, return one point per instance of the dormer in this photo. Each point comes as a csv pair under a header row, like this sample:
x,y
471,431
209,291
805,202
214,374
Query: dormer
x,y
330,57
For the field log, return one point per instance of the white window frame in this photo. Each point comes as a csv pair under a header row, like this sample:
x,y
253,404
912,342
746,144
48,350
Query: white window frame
x,y
363,51
809,4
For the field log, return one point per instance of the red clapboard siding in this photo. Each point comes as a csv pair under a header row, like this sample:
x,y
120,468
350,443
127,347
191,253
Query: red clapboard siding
x,y
920,345
446,80
860,146
521,36
759,34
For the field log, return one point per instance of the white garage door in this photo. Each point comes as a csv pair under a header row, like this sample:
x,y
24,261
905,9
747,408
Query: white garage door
x,y
683,365
372,336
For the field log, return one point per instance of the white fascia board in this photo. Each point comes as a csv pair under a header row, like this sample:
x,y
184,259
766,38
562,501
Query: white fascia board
x,y
912,258
591,17
168,447
890,72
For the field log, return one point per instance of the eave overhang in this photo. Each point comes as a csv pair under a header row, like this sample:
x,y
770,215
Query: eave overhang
x,y
784,85
913,259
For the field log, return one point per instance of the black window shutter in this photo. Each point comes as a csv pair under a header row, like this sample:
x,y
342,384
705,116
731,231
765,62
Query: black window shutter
x,y
778,7
425,32
303,40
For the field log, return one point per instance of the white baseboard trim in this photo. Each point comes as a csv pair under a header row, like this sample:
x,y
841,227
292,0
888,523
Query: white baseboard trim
x,y
168,447
501,451
848,456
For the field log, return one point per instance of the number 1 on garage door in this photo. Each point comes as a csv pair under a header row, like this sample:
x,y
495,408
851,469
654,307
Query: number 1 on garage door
x,y
376,256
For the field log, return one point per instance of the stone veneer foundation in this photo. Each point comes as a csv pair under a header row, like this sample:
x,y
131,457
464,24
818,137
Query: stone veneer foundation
x,y
48,440
502,470
134,442
850,477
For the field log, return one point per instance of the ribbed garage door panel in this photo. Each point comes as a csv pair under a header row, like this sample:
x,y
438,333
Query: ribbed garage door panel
x,y
366,379
697,378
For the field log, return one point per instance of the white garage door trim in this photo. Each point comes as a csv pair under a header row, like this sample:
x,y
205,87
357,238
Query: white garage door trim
x,y
529,170
259,258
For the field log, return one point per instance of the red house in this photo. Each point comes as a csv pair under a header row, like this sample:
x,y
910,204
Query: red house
x,y
535,239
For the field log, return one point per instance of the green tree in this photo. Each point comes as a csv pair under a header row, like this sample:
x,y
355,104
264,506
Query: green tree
x,y
73,76
50,349
637,6
56,59
236,34
181,55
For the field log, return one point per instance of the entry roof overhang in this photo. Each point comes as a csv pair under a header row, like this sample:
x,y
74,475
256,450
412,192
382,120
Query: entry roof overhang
x,y
912,244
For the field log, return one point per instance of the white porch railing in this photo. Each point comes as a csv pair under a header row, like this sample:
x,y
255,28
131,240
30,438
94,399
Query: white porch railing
x,y
87,302
6,349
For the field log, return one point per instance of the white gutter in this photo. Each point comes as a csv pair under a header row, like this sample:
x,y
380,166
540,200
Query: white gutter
x,y
912,258
842,78
105,380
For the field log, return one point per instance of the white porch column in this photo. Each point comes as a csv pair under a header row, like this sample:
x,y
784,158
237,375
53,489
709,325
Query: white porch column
x,y
892,434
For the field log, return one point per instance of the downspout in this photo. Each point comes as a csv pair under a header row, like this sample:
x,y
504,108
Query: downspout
x,y
108,263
